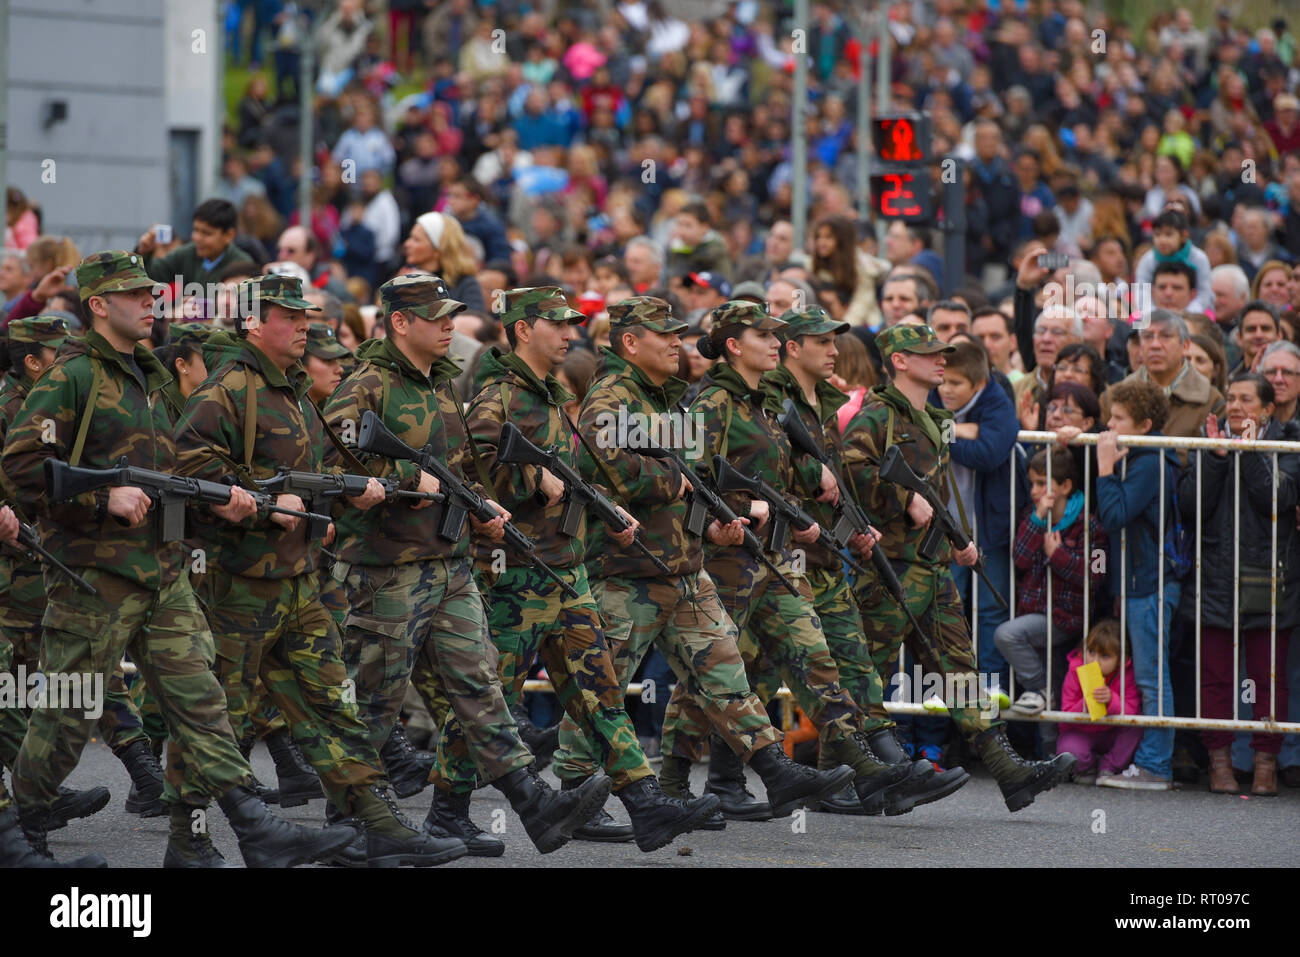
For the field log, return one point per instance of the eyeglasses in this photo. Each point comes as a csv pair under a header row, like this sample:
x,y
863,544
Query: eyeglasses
x,y
1047,332
1063,408
1288,373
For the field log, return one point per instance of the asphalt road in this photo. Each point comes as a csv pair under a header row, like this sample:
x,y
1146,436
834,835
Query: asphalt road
x,y
1073,825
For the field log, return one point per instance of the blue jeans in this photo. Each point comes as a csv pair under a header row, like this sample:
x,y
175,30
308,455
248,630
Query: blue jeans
x,y
1156,751
997,565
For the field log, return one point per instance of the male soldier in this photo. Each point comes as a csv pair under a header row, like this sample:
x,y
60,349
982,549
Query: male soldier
x,y
144,604
412,592
896,413
528,614
252,412
737,416
679,612
807,363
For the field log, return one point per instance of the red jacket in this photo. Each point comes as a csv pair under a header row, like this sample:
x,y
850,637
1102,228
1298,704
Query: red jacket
x,y
1072,693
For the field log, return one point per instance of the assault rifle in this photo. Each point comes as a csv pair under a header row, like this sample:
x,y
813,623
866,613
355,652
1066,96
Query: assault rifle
x,y
30,539
311,486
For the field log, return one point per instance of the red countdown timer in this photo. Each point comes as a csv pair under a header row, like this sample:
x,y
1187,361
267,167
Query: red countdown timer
x,y
901,139
901,194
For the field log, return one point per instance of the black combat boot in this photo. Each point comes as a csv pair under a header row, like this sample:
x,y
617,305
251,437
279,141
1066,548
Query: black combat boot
x,y
788,782
843,801
393,841
601,829
407,769
264,794
541,741
73,804
873,776
267,841
657,818
727,781
18,850
298,780
675,781
449,817
188,842
913,791
1019,779
146,773
351,855
550,817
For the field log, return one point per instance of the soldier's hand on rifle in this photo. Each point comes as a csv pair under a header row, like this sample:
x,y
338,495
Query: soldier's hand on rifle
x,y
808,535
8,525
686,487
733,533
624,538
551,487
495,530
288,522
864,542
372,496
429,485
759,512
242,505
330,532
129,503
919,511
830,489
968,556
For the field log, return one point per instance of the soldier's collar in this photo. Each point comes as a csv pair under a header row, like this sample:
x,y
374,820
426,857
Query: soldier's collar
x,y
155,373
551,387
829,398
672,390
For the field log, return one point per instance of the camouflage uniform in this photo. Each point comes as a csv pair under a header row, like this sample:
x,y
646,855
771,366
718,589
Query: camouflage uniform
x,y
679,612
528,613
145,605
782,629
263,591
888,418
412,593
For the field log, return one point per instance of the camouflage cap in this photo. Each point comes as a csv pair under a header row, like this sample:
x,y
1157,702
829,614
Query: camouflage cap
x,y
648,311
114,270
45,330
743,313
192,331
283,291
904,338
538,302
419,294
814,321
323,344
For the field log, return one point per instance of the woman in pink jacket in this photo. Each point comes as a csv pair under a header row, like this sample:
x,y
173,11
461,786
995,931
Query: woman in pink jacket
x,y
1114,745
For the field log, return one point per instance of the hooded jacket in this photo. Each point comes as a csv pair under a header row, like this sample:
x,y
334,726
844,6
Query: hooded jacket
x,y
1130,502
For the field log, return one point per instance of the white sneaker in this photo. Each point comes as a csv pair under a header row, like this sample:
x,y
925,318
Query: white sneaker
x,y
1135,778
1031,702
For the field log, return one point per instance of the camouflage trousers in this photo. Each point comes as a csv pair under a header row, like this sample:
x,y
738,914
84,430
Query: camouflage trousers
x,y
167,637
278,630
529,616
685,619
430,610
933,598
428,687
783,631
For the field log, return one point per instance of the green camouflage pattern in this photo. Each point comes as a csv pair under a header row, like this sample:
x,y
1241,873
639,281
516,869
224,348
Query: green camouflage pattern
x,y
685,620
864,442
275,289
908,338
113,270
648,487
738,314
653,313
420,410
418,294
210,437
530,617
49,331
513,393
165,633
323,344
814,321
198,332
531,303
129,422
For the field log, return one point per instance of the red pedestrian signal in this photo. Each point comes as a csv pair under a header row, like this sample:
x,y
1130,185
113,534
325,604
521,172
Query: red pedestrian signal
x,y
901,138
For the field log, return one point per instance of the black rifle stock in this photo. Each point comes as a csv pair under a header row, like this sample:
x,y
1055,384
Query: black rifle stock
x,y
515,449
849,512
894,469
30,539
170,492
375,438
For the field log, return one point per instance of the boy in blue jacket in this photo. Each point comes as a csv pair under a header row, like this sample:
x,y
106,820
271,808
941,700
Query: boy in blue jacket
x,y
1128,501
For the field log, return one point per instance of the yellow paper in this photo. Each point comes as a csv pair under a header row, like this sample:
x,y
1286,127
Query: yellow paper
x,y
1089,679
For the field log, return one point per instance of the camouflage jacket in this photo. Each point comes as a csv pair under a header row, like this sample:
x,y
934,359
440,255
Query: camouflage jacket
x,y
513,393
865,441
645,485
823,427
420,410
740,425
24,591
128,421
210,445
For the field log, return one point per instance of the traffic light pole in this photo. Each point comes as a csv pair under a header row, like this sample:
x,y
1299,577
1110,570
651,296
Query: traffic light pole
x,y
953,224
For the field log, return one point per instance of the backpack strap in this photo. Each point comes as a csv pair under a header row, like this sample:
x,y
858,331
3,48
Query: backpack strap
x,y
96,383
250,421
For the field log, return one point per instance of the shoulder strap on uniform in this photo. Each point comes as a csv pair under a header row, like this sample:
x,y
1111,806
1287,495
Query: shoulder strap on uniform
x,y
615,483
889,430
96,382
354,464
250,421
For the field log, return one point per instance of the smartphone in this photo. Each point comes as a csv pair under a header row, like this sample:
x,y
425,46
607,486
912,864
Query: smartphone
x,y
162,233
1053,261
